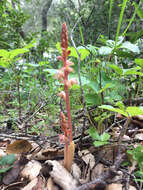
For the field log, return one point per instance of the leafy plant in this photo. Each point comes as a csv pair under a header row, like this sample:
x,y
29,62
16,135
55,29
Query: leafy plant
x,y
137,155
99,140
126,111
6,163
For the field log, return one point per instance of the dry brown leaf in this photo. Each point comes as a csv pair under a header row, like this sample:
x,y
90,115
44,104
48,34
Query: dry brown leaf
x,y
40,184
31,170
31,185
97,171
48,154
2,153
18,147
139,136
50,184
139,117
76,172
87,157
61,176
115,186
69,156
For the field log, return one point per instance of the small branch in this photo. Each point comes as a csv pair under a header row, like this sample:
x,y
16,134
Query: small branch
x,y
101,181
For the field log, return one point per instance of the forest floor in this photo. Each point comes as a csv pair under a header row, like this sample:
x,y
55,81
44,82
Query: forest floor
x,y
35,162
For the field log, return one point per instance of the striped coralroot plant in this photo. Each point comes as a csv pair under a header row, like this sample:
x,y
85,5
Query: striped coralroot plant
x,y
62,75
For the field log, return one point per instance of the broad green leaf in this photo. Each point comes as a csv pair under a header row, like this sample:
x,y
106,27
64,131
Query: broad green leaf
x,y
131,70
58,46
95,87
120,105
43,63
84,52
93,99
92,49
116,69
111,108
133,111
105,137
104,50
93,133
4,63
30,45
108,85
131,47
4,53
139,62
5,169
110,43
51,71
8,159
16,52
99,143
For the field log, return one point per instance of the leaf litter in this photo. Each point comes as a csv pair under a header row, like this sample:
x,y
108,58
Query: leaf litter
x,y
40,166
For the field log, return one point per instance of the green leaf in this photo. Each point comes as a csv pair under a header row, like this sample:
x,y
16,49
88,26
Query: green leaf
x,y
58,46
139,62
99,143
43,63
8,159
108,85
16,52
131,47
94,86
92,49
117,69
93,99
84,52
3,170
132,71
111,108
105,137
120,105
4,53
51,71
93,133
104,50
133,111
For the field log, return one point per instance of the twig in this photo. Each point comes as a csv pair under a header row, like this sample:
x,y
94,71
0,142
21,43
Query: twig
x,y
110,174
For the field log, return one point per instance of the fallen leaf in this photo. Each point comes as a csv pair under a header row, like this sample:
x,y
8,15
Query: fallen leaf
x,y
31,170
18,147
75,170
40,184
139,136
48,154
30,185
139,117
97,171
116,186
87,157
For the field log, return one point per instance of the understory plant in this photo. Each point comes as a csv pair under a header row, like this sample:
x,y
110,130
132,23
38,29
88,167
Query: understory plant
x,y
62,75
